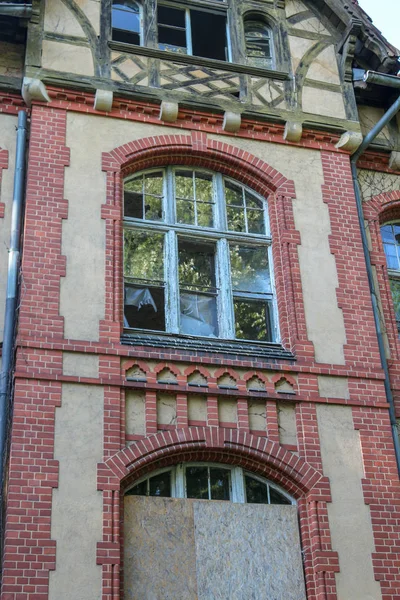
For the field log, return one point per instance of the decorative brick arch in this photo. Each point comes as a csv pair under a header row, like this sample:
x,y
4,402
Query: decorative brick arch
x,y
218,444
200,151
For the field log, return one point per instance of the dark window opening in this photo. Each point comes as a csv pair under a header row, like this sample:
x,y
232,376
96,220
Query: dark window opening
x,y
172,29
209,35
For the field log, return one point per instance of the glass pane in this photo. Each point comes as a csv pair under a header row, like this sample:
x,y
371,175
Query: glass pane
x,y
185,212
255,221
133,198
196,265
160,485
143,255
387,233
252,201
171,16
395,289
396,230
233,194
144,307
219,483
204,214
197,483
198,315
235,218
249,269
184,184
153,208
391,256
252,320
256,491
138,490
126,17
204,187
153,183
276,498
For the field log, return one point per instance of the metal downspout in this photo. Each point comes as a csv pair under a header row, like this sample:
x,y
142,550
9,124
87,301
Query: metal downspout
x,y
390,81
10,316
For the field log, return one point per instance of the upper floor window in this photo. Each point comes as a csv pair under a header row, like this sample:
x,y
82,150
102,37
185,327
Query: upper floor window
x,y
390,233
258,42
126,22
197,256
210,482
192,31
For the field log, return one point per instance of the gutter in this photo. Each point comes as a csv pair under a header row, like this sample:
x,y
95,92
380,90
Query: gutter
x,y
390,81
10,317
16,10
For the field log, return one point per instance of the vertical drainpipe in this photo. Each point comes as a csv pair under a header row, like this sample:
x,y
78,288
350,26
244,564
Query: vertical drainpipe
x,y
10,317
390,81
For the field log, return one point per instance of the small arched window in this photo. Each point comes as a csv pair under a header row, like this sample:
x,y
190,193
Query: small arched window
x,y
390,233
210,482
126,22
258,42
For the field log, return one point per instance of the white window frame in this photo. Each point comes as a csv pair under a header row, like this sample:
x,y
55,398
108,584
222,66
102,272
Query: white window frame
x,y
394,274
237,481
259,18
221,236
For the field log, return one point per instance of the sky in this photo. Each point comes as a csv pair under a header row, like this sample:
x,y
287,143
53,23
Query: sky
x,y
385,15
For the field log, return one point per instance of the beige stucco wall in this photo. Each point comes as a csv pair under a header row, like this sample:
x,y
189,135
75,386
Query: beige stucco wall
x,y
324,319
287,423
67,58
60,19
333,387
7,142
227,410
197,407
166,409
83,233
76,523
257,415
80,364
349,516
135,412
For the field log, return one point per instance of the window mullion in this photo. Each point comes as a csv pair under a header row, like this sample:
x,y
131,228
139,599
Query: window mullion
x,y
220,210
171,283
225,307
238,491
189,46
180,482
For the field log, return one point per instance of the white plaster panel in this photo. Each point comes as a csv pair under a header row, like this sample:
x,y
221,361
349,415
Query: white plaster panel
x,y
287,423
349,516
58,18
67,58
80,364
8,124
324,67
166,409
323,102
76,523
197,407
227,410
298,47
292,7
135,412
333,387
257,415
324,319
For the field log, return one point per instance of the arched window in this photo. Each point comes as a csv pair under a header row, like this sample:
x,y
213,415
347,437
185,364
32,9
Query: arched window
x,y
126,22
390,233
258,41
197,256
210,482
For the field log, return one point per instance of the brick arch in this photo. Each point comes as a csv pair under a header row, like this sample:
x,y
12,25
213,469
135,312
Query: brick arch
x,y
383,207
197,149
256,454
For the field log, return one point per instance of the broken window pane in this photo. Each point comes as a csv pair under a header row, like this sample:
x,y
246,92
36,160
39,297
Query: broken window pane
x,y
258,43
126,22
252,321
171,29
198,315
250,269
256,491
143,197
144,280
196,265
197,483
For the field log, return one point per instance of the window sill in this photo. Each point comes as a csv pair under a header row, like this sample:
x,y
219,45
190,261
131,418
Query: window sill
x,y
243,348
198,60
